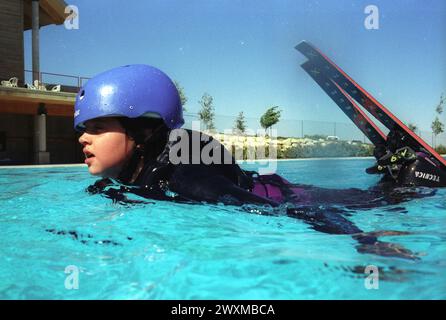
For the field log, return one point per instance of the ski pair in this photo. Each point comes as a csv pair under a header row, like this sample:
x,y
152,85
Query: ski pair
x,y
399,146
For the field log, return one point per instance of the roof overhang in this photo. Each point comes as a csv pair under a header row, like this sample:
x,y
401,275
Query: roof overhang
x,y
25,101
51,12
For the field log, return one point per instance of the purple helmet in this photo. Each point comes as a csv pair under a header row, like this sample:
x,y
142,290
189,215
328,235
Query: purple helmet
x,y
130,91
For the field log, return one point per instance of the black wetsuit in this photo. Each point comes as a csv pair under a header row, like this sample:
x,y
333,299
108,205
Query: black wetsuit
x,y
193,181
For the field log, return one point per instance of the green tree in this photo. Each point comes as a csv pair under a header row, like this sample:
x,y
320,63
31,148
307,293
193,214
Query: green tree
x,y
206,113
183,97
270,118
240,124
413,127
437,126
440,107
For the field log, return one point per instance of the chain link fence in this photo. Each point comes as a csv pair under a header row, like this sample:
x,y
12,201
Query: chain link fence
x,y
307,128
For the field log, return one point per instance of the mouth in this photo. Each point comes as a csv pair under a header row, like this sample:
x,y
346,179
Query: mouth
x,y
88,155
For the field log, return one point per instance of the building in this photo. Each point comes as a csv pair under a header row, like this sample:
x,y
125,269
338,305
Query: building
x,y
36,126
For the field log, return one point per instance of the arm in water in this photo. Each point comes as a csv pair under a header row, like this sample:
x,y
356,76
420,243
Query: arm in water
x,y
331,220
325,210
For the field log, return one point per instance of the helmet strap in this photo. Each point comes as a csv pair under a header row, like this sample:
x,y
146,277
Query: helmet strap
x,y
138,169
139,155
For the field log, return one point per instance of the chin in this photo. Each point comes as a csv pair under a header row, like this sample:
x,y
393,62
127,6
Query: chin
x,y
95,172
111,172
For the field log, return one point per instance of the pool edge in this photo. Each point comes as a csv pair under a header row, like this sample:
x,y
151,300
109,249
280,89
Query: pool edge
x,y
29,166
238,161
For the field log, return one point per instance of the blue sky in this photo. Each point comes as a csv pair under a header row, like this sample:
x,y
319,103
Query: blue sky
x,y
242,51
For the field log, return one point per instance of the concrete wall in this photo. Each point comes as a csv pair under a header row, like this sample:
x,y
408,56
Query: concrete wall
x,y
11,40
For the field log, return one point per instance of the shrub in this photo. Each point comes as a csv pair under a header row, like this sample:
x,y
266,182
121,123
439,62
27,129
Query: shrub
x,y
441,149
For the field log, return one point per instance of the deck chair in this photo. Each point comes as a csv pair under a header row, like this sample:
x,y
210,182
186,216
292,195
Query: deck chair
x,y
39,86
12,83
30,86
56,88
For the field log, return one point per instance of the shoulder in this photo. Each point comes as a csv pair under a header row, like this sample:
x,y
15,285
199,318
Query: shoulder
x,y
194,147
193,156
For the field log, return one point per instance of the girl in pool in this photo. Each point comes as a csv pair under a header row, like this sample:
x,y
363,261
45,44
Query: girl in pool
x,y
130,119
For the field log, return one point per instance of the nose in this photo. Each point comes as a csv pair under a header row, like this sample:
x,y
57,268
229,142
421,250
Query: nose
x,y
85,139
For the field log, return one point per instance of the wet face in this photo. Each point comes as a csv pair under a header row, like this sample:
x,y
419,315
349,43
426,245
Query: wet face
x,y
107,147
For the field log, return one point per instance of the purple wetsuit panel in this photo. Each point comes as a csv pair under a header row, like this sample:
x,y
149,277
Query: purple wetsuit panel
x,y
268,190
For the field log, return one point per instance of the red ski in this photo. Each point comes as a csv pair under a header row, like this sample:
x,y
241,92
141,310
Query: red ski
x,y
326,70
346,103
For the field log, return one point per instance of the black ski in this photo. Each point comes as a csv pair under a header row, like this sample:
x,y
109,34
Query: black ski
x,y
346,103
345,84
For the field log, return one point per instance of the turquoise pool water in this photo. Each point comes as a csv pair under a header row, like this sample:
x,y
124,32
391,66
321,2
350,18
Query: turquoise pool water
x,y
163,250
